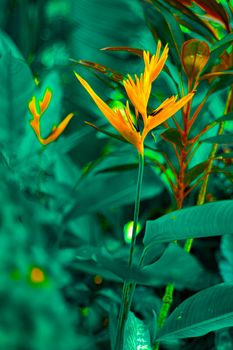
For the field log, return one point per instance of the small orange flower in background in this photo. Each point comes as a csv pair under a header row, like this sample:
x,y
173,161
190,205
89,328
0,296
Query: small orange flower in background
x,y
37,275
138,92
37,113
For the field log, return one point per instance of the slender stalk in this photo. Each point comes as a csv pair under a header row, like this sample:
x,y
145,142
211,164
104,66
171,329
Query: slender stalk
x,y
128,286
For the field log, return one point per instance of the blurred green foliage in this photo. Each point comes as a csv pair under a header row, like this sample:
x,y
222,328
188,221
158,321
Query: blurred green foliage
x,y
64,207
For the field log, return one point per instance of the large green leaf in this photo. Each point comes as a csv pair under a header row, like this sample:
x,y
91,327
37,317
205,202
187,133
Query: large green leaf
x,y
136,334
210,219
191,20
206,311
167,269
218,48
100,190
220,139
16,88
164,25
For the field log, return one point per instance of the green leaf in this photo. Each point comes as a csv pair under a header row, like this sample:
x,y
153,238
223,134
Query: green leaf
x,y
195,172
112,189
110,73
218,48
7,46
172,135
135,51
216,11
220,139
167,269
206,311
166,28
136,334
105,132
214,219
15,94
119,168
224,74
225,117
223,340
191,20
226,260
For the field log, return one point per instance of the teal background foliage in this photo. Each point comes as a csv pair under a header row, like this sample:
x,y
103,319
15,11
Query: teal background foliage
x,y
64,207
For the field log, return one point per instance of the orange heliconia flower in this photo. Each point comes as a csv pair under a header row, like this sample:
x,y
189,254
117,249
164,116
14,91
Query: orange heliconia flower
x,y
36,114
138,91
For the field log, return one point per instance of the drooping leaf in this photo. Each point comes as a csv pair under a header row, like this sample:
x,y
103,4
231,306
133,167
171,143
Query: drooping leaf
x,y
104,190
135,51
105,132
109,72
165,27
225,117
213,219
218,48
223,81
172,135
119,168
225,74
220,139
167,269
191,20
136,334
209,310
14,93
193,173
215,10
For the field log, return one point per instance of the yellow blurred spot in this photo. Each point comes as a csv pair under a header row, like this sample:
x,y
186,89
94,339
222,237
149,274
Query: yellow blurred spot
x,y
37,275
98,279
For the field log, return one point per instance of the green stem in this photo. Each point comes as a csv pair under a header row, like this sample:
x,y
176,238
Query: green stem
x,y
128,286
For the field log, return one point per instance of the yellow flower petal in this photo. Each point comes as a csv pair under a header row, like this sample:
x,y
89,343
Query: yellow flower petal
x,y
168,108
120,120
138,93
33,108
45,101
36,127
58,130
154,64
103,107
35,122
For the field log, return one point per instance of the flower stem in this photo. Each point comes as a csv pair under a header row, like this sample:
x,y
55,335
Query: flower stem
x,y
129,286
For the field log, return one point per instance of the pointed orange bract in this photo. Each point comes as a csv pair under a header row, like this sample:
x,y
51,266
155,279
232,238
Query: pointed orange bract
x,y
138,91
168,108
120,120
35,122
153,63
